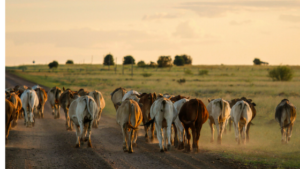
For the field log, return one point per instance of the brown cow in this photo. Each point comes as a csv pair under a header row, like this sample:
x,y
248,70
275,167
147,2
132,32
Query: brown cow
x,y
117,95
20,89
65,100
53,97
10,115
42,95
178,97
147,100
252,106
16,101
285,114
82,92
193,114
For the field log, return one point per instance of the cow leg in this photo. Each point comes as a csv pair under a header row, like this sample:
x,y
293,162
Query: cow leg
x,y
134,139
194,135
180,134
152,131
26,117
131,137
58,111
197,137
230,123
124,132
218,130
82,131
247,132
89,134
211,125
175,136
222,129
67,117
159,137
169,129
42,110
146,131
165,138
53,110
290,132
188,136
15,120
237,134
283,135
77,136
31,116
244,133
8,126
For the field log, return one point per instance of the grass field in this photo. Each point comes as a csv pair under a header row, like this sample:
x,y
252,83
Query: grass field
x,y
227,82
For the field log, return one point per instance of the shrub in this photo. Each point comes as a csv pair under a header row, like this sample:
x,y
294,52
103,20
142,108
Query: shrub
x,y
141,64
188,72
69,62
281,73
203,72
146,74
178,61
164,61
53,64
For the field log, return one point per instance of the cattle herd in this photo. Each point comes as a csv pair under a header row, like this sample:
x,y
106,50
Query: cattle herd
x,y
158,112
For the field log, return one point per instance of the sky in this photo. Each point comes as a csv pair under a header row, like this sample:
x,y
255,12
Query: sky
x,y
212,32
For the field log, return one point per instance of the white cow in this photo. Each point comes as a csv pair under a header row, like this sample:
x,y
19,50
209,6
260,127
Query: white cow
x,y
177,122
30,103
98,97
162,113
219,113
35,87
82,113
129,93
241,114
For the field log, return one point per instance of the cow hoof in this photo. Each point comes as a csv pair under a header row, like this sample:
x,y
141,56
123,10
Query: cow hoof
x,y
125,149
52,113
162,150
169,147
130,151
134,145
165,149
196,150
90,144
287,139
86,139
77,145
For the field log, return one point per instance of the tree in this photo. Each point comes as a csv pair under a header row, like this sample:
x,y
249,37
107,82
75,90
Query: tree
x,y
128,60
108,60
179,61
164,61
257,61
152,64
69,62
141,64
53,64
187,59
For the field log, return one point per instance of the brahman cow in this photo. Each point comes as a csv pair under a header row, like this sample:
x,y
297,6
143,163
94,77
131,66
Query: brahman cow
x,y
252,106
83,111
30,102
65,101
16,101
129,93
163,113
10,115
53,97
241,114
20,89
147,100
116,96
219,112
179,132
193,114
82,92
285,114
42,95
129,117
98,97
35,87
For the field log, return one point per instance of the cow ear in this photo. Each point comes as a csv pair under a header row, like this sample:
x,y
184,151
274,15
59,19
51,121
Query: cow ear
x,y
250,100
149,97
141,105
208,100
155,96
253,104
64,88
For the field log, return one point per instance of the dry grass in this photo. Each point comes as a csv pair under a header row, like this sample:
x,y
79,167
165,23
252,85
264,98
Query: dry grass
x,y
222,81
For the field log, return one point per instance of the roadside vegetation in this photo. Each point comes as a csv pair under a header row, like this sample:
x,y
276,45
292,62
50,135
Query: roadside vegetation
x,y
227,82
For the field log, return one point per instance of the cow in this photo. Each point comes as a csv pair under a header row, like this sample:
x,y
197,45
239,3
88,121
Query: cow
x,y
42,95
179,132
193,114
162,112
129,93
252,106
20,89
219,112
285,114
147,100
65,101
82,92
241,115
35,87
30,103
10,115
83,111
129,117
98,97
53,97
16,101
116,96
178,97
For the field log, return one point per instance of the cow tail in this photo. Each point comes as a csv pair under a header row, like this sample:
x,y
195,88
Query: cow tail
x,y
192,121
163,106
89,107
131,108
288,111
222,106
242,106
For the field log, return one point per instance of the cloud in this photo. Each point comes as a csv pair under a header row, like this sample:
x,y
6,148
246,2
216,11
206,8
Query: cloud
x,y
78,38
218,9
159,16
184,30
290,18
236,23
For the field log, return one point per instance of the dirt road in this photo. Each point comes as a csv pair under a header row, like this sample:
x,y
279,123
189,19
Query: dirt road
x,y
49,145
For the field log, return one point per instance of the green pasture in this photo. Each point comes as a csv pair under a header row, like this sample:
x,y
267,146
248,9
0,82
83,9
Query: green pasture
x,y
227,82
